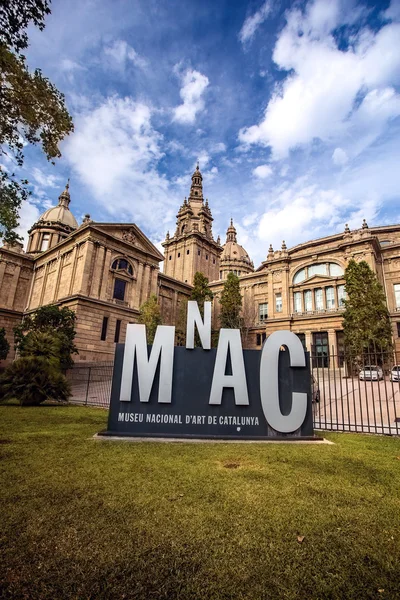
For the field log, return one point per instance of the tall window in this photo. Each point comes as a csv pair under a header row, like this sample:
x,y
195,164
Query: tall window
x,y
341,295
104,329
45,241
307,301
319,303
297,302
119,289
330,297
117,331
397,294
278,302
263,312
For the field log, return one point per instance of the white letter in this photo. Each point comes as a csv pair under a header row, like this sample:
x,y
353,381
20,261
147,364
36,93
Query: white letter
x,y
229,339
163,349
204,328
269,384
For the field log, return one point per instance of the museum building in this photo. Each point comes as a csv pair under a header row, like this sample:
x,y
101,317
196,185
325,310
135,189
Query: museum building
x,y
106,271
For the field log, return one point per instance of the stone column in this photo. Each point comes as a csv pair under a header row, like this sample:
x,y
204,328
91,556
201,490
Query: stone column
x,y
13,286
74,261
144,287
44,283
3,265
335,292
105,274
308,340
333,360
58,276
97,270
87,267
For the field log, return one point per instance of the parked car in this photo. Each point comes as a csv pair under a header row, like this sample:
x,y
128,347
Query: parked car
x,y
316,395
371,373
395,373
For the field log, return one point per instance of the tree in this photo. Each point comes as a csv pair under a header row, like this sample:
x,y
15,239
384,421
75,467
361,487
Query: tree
x,y
150,315
201,292
31,108
58,323
231,303
4,345
366,322
180,323
32,380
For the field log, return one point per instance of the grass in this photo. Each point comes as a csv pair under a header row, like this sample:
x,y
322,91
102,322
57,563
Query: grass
x,y
87,519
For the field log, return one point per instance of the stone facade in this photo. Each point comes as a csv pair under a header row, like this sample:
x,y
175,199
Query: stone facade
x,y
105,271
302,288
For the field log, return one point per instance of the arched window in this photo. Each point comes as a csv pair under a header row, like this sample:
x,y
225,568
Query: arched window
x,y
121,264
330,269
183,229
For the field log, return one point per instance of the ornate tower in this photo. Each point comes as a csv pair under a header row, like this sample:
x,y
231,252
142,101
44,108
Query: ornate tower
x,y
53,225
192,248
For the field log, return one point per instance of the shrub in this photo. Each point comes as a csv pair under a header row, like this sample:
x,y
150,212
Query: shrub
x,y
32,380
4,345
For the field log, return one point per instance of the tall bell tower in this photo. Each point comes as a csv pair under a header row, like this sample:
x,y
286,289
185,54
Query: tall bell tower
x,y
192,247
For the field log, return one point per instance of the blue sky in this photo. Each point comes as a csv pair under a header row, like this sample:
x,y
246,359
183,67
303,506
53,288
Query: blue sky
x,y
292,108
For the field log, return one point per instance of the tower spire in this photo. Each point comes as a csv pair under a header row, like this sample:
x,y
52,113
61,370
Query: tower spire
x,y
231,233
64,198
196,189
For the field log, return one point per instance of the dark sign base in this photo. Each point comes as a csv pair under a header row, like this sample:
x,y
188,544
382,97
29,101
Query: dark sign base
x,y
189,415
236,438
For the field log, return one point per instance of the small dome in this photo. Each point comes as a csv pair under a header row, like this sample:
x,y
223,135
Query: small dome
x,y
234,251
59,214
234,257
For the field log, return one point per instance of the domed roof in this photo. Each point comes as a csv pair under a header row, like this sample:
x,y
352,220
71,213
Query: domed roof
x,y
232,251
61,212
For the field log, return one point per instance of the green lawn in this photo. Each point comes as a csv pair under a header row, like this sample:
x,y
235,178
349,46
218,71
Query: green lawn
x,y
98,519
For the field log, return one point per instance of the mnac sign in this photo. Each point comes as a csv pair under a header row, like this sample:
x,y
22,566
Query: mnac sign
x,y
227,392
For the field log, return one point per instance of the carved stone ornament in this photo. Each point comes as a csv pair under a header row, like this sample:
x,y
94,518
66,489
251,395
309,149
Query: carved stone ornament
x,y
129,236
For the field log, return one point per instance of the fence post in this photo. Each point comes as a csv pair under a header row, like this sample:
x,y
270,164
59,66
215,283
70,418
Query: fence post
x,y
87,387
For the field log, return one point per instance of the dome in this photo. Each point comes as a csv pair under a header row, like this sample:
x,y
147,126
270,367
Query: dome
x,y
59,214
234,257
234,251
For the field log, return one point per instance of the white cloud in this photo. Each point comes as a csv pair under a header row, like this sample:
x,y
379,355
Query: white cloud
x,y
121,53
28,215
45,180
316,102
253,22
339,157
115,151
262,171
203,159
218,147
193,88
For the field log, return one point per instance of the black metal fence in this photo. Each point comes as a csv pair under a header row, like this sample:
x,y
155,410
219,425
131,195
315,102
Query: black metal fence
x,y
91,384
357,393
349,393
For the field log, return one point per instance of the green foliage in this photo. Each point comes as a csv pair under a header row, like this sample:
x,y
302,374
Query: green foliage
x,y
43,344
4,345
58,324
201,292
16,15
231,303
31,108
32,380
366,322
180,324
150,315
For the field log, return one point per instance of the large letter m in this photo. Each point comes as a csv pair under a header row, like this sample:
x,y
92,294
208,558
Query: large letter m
x,y
136,348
